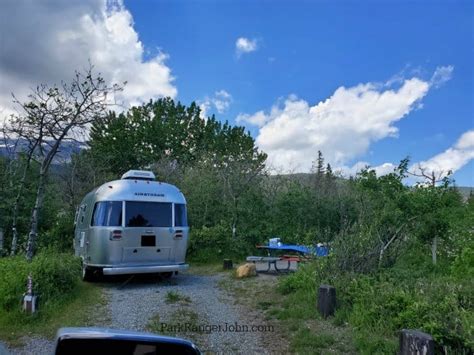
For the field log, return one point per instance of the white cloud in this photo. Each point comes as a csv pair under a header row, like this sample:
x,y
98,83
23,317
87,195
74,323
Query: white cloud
x,y
380,170
245,45
342,126
452,159
384,169
44,42
258,119
205,107
441,75
466,141
220,101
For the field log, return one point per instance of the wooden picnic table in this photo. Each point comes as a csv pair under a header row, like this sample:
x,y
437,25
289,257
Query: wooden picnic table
x,y
270,260
303,253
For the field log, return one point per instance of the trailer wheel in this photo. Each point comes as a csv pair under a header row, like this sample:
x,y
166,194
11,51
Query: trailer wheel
x,y
87,273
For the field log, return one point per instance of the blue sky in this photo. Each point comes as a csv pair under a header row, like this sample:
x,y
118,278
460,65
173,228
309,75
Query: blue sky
x,y
310,48
366,82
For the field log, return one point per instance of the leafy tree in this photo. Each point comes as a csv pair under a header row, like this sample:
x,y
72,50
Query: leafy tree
x,y
435,208
433,201
52,115
170,138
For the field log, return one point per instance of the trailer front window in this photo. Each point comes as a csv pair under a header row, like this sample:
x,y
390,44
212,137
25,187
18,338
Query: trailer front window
x,y
148,214
107,214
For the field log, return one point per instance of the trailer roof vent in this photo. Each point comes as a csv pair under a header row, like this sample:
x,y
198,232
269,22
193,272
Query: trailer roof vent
x,y
138,175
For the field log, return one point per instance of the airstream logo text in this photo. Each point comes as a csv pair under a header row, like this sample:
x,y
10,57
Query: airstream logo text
x,y
151,194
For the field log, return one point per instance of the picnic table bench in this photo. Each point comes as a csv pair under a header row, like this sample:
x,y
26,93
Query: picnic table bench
x,y
270,260
304,253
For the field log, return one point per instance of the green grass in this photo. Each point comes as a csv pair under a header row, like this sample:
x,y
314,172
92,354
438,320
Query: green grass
x,y
264,305
293,311
307,342
175,297
200,268
83,307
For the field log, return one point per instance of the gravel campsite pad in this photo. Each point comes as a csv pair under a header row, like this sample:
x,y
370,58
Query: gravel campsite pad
x,y
189,306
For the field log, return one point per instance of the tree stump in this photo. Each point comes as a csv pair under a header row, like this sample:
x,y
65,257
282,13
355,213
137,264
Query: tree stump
x,y
415,342
326,300
228,264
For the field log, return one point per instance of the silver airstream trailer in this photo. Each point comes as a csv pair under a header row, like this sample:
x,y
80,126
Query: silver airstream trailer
x,y
132,225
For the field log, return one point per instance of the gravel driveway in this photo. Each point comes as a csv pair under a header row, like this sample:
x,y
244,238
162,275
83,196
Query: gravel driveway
x,y
146,303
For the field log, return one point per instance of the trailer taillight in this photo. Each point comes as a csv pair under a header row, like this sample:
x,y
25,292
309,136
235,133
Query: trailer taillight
x,y
115,235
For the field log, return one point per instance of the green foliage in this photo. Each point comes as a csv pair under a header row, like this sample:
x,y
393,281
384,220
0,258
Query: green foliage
x,y
13,276
381,268
304,280
305,342
54,275
380,231
435,209
175,297
463,265
59,236
412,293
164,129
10,177
211,244
378,306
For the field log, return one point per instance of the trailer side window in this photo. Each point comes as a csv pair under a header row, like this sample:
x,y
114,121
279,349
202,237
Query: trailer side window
x,y
148,214
107,213
180,218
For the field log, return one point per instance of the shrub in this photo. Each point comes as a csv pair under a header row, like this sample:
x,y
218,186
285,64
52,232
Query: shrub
x,y
13,276
303,280
379,305
209,244
463,265
60,236
54,275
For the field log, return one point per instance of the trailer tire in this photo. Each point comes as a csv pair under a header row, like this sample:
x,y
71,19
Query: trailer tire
x,y
166,275
87,273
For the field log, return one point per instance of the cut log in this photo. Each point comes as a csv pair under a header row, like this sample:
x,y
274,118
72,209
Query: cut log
x,y
326,300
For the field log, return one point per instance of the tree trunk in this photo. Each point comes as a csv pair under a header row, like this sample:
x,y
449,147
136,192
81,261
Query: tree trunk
x,y
234,229
16,206
14,239
34,216
434,247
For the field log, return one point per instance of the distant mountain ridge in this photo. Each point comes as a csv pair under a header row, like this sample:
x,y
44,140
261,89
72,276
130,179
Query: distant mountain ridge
x,y
70,147
66,150
305,178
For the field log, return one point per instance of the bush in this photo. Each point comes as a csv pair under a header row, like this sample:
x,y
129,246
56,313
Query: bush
x,y
463,265
215,243
54,275
303,280
379,305
60,236
13,276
